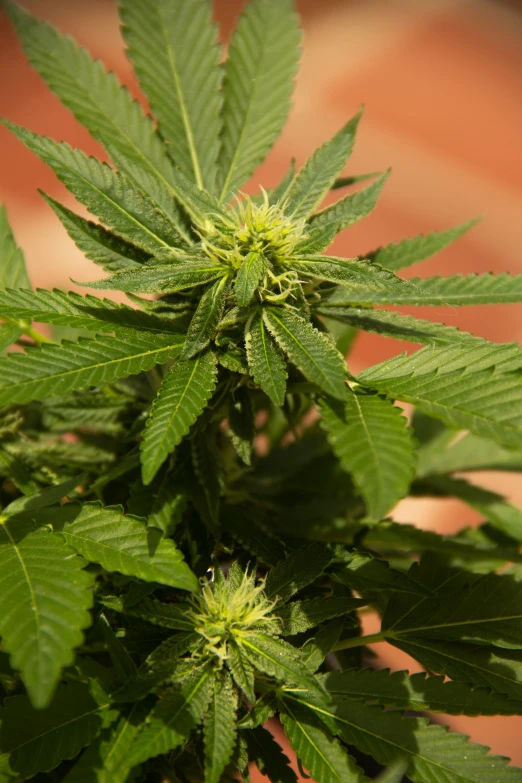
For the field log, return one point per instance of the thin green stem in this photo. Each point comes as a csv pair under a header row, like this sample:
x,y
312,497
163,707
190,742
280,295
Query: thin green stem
x,y
359,641
36,336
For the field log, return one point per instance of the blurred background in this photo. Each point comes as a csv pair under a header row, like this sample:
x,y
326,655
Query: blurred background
x,y
441,81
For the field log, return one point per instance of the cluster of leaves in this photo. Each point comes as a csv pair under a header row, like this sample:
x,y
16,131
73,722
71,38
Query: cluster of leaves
x,y
195,493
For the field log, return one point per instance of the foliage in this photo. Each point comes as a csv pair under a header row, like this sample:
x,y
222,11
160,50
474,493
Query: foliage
x,y
195,494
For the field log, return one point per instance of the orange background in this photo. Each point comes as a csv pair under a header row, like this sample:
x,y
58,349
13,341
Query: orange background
x,y
441,80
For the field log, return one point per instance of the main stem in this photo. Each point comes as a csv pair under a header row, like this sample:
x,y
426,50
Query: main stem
x,y
359,641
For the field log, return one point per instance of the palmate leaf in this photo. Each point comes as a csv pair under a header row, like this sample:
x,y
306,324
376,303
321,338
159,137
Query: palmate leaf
x,y
185,390
174,51
13,273
454,290
312,352
220,727
351,273
433,753
58,369
418,692
298,570
33,741
317,176
112,197
206,318
262,62
241,669
322,755
350,209
299,616
268,756
45,597
400,255
105,760
123,543
97,243
266,363
374,444
173,718
250,273
365,573
465,608
162,278
71,309
105,108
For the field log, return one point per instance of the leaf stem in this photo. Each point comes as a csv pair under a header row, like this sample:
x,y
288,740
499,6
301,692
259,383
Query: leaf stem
x,y
359,641
36,336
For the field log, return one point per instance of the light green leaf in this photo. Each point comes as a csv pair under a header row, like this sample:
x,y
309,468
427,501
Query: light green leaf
x,y
241,669
173,718
105,760
99,245
393,774
37,740
79,312
400,255
262,62
206,318
174,51
351,208
300,616
417,692
249,276
312,352
265,360
433,753
162,278
8,336
278,193
166,615
13,273
279,660
373,442
322,755
105,108
298,570
123,543
109,195
454,290
44,601
351,273
220,727
51,370
475,388
466,453
365,573
317,176
186,388
345,182
268,756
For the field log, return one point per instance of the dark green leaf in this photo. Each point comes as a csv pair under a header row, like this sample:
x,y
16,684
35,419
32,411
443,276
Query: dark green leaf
x,y
13,273
298,570
265,360
220,727
206,318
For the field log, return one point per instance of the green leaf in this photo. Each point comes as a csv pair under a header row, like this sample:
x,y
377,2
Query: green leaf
x,y
278,193
466,453
173,718
365,573
279,660
207,490
315,650
466,608
37,740
8,336
249,276
265,360
79,312
373,442
156,612
220,727
262,62
174,51
186,388
393,774
123,543
52,370
433,753
241,424
300,616
13,273
469,388
268,756
111,196
45,598
312,352
45,497
241,669
351,208
322,755
317,176
206,318
454,290
105,108
96,243
162,278
400,255
105,760
298,570
352,274
417,692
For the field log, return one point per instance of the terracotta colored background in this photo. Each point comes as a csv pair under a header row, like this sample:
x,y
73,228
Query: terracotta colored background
x,y
441,80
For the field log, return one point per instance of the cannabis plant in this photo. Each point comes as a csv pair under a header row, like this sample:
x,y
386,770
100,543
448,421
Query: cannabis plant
x,y
196,492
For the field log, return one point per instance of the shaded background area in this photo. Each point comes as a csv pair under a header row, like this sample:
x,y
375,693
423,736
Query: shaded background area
x,y
441,80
